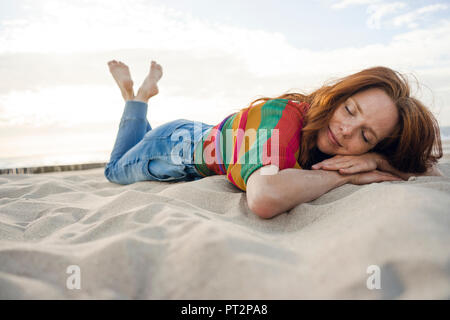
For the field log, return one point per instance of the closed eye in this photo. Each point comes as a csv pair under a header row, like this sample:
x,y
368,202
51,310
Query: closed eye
x,y
362,132
348,110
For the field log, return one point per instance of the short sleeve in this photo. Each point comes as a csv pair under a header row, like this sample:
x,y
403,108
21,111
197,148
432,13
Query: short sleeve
x,y
271,137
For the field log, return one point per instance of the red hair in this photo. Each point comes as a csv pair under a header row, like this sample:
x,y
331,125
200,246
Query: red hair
x,y
414,146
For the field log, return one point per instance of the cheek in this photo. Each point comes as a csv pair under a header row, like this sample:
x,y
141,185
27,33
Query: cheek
x,y
357,147
322,141
338,118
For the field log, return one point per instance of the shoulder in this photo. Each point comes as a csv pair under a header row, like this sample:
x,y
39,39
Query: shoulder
x,y
289,110
276,103
285,103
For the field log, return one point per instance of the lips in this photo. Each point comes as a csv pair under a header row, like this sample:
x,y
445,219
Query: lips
x,y
333,138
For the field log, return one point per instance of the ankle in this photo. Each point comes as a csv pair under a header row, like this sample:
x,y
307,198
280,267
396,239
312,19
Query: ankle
x,y
140,97
127,95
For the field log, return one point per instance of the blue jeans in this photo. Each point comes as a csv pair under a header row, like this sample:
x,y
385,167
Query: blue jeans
x,y
162,154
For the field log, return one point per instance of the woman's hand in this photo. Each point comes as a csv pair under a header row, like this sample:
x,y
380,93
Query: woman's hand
x,y
351,164
372,176
368,162
361,169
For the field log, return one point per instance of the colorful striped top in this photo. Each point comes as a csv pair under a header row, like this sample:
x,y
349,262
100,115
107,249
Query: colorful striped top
x,y
256,136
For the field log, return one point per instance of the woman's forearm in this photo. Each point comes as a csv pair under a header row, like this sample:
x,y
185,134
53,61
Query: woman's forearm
x,y
293,186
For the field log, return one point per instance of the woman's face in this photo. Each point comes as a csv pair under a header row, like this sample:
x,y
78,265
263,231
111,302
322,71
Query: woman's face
x,y
359,123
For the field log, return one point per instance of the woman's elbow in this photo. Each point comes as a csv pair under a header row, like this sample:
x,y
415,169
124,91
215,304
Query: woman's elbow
x,y
264,206
262,210
261,195
266,192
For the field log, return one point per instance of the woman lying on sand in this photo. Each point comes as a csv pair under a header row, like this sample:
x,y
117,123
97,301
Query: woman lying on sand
x,y
360,129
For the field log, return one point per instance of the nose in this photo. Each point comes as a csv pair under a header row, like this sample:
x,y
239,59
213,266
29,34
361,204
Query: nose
x,y
347,130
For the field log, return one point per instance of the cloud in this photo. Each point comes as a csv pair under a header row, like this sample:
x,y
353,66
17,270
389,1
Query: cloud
x,y
378,11
347,3
410,18
15,22
100,25
209,68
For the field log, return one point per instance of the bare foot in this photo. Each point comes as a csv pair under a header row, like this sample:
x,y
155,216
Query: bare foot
x,y
121,74
149,87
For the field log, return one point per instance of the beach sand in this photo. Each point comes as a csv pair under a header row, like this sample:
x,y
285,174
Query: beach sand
x,y
199,240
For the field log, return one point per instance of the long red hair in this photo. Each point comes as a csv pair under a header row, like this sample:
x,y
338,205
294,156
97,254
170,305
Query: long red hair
x,y
414,145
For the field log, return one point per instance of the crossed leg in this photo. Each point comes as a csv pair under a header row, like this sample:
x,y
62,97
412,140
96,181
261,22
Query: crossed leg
x,y
134,124
122,76
131,158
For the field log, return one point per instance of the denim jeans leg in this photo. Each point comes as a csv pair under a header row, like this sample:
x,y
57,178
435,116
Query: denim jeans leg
x,y
142,153
173,158
132,128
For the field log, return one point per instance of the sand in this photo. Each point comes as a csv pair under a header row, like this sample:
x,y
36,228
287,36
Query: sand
x,y
199,240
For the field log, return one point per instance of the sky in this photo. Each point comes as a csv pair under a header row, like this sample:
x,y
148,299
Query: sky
x,y
58,99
